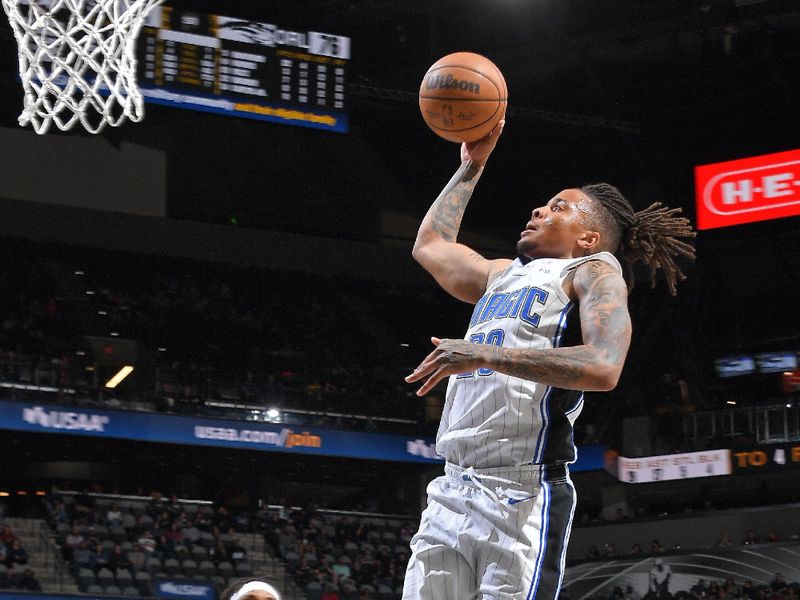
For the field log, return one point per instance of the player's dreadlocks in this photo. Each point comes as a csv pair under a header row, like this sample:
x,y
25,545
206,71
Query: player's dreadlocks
x,y
650,236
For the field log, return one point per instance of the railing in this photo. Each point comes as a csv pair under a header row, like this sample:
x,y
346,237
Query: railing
x,y
51,555
773,423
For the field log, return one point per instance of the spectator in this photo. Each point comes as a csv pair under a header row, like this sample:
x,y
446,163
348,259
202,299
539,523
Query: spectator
x,y
619,515
593,552
751,538
724,540
218,553
656,547
330,593
71,542
779,584
731,589
137,558
11,579
749,590
772,536
631,594
191,533
700,589
3,553
636,549
29,582
17,555
7,536
237,553
114,515
659,579
147,543
341,568
83,557
165,548
91,541
117,559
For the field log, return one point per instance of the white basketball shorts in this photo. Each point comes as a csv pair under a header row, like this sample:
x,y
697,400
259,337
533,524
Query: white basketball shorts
x,y
492,534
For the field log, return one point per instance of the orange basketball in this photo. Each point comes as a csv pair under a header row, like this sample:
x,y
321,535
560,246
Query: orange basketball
x,y
463,96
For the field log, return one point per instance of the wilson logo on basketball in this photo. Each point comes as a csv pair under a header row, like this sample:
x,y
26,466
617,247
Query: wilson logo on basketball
x,y
450,82
747,190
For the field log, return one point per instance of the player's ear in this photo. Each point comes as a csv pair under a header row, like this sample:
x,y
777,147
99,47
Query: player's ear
x,y
589,240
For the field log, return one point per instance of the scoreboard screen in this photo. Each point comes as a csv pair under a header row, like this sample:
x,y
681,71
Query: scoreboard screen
x,y
244,68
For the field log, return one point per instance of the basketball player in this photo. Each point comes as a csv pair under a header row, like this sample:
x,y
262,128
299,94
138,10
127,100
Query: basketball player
x,y
250,588
546,327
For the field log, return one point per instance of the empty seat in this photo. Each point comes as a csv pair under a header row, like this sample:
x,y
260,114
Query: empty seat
x,y
129,590
105,577
86,578
313,591
172,566
153,564
206,539
112,590
199,552
244,569
207,568
189,567
144,583
385,593
94,589
292,561
225,569
124,578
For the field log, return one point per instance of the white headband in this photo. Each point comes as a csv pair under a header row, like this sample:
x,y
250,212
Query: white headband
x,y
253,586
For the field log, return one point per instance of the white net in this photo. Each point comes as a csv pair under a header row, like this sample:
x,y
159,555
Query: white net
x,y
77,61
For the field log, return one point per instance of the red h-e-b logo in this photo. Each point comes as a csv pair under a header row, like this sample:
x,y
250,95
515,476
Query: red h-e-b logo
x,y
747,190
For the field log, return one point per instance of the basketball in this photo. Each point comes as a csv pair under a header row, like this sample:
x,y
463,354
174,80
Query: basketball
x,y
463,96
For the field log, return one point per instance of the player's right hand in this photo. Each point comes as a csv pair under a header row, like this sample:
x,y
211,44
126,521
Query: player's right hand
x,y
478,152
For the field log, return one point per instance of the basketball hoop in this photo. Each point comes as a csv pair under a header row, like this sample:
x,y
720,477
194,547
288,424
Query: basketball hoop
x,y
77,61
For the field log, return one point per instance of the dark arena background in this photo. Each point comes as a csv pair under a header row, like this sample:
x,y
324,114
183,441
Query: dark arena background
x,y
250,258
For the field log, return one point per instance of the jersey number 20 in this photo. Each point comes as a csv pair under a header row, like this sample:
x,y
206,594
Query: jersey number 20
x,y
494,338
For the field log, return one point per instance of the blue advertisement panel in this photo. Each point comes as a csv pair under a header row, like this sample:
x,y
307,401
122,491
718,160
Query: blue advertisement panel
x,y
146,427
590,458
171,429
183,589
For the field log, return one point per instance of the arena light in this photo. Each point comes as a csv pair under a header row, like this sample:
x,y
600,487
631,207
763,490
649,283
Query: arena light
x,y
121,374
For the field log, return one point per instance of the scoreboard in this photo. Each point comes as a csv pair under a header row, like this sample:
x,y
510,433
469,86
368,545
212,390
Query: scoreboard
x,y
245,68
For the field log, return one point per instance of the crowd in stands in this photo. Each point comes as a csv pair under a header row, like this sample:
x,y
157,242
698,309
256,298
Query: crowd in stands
x,y
13,558
709,589
342,556
122,547
610,550
208,331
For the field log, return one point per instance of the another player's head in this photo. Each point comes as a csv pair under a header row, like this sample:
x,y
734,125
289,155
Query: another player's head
x,y
250,588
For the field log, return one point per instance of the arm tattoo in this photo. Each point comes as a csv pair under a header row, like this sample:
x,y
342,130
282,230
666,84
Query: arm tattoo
x,y
605,321
448,209
606,327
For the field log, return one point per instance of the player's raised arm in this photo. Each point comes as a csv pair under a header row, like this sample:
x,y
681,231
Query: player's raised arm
x,y
461,271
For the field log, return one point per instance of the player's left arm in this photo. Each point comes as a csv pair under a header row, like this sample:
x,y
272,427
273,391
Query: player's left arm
x,y
595,365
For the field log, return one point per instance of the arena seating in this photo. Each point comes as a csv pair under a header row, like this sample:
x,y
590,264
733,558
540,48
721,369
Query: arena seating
x,y
211,333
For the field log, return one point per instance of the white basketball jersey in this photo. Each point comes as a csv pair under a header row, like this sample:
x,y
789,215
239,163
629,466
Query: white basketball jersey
x,y
496,420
